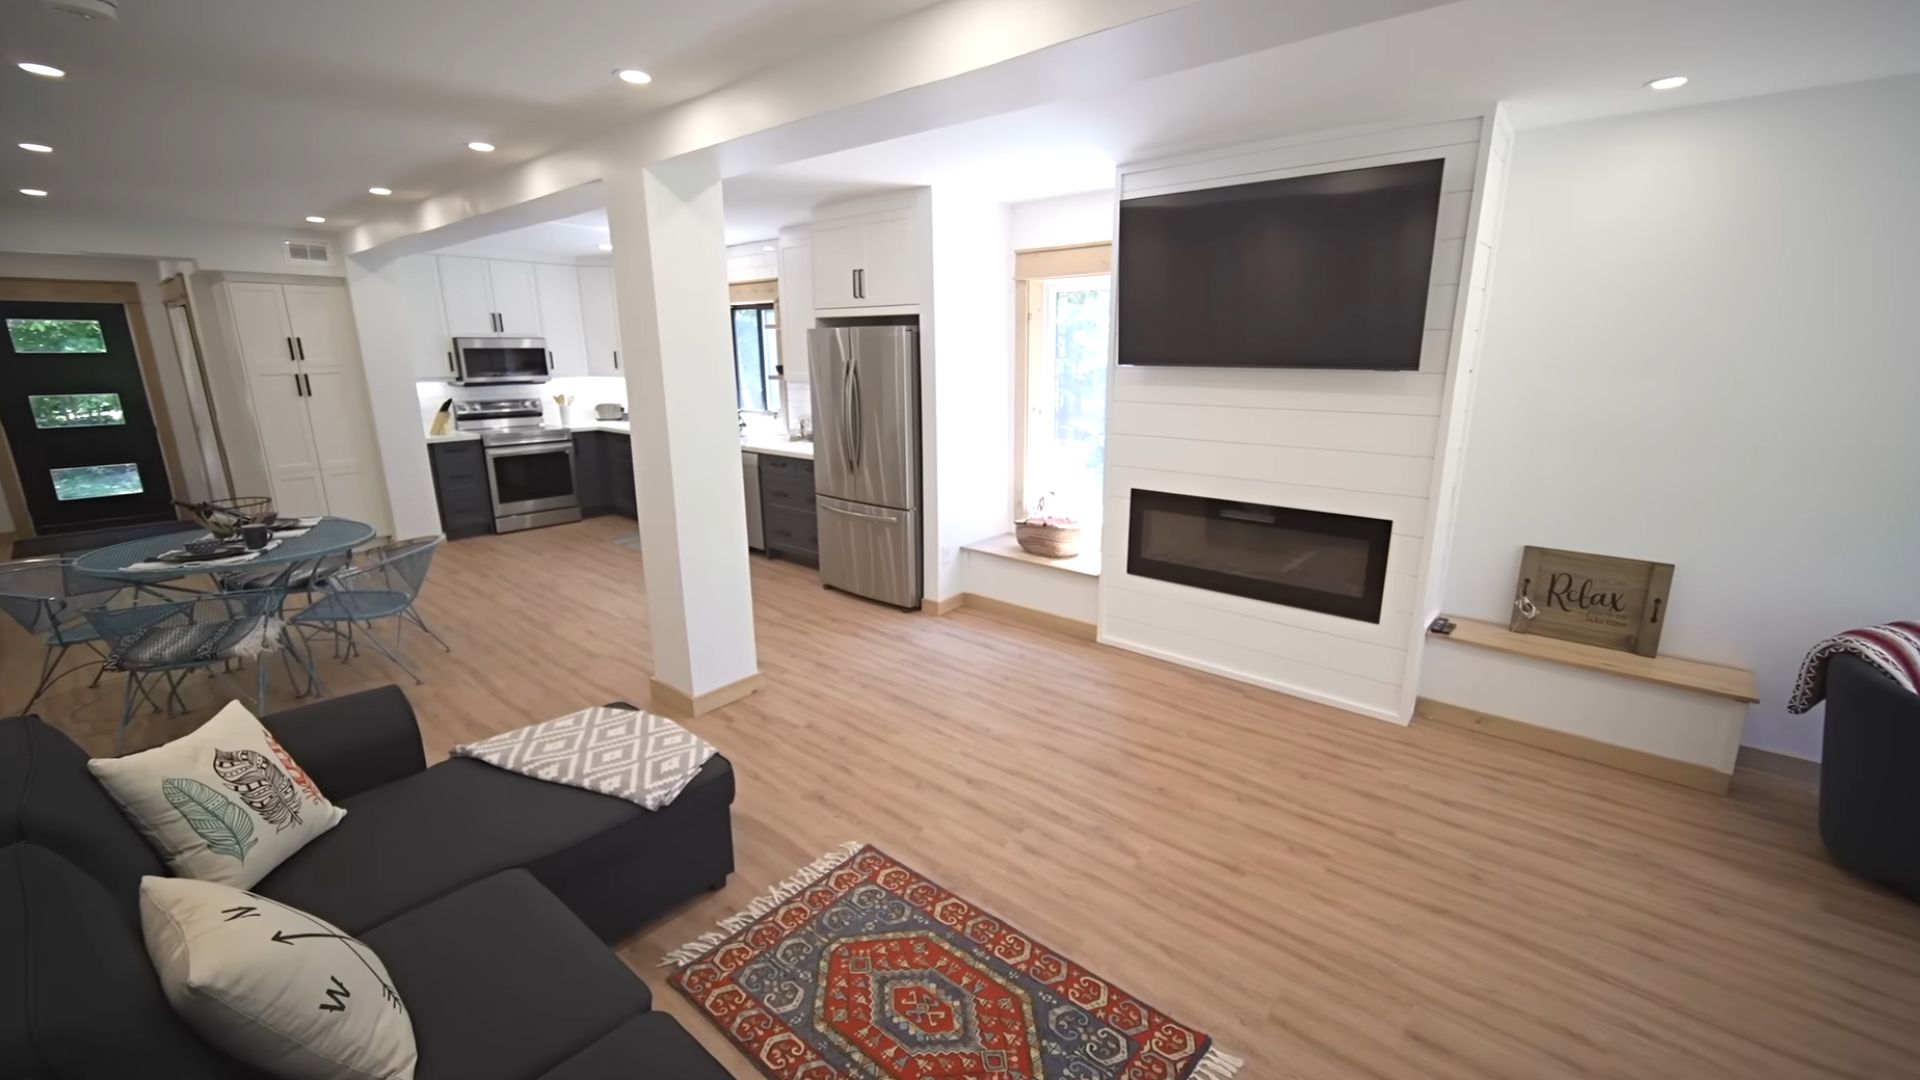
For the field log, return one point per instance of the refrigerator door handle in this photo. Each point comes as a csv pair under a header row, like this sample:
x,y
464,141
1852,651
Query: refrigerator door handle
x,y
855,513
847,418
859,430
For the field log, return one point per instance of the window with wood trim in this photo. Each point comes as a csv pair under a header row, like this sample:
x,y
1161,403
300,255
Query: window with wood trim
x,y
1066,318
756,345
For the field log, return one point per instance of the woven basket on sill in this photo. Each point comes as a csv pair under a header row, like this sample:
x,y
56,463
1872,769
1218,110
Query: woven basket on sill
x,y
1049,538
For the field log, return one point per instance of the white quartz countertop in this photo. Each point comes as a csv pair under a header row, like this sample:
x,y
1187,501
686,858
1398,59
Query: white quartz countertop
x,y
753,443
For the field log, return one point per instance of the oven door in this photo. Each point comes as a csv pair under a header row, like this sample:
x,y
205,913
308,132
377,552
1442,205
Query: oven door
x,y
486,361
531,477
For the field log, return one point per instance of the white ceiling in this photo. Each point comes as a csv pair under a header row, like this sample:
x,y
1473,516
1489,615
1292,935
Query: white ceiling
x,y
1551,61
249,112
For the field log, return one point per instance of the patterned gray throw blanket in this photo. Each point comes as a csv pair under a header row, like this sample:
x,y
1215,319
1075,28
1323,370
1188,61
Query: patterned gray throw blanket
x,y
632,755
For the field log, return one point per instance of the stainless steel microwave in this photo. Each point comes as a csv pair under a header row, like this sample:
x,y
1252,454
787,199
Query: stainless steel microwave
x,y
480,361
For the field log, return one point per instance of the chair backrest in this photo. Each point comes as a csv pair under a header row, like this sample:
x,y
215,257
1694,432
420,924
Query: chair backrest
x,y
45,595
116,624
399,567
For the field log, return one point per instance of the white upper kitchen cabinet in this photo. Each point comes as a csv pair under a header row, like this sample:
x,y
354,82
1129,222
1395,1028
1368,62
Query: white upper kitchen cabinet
x,y
561,317
796,304
873,259
838,250
600,321
516,297
489,297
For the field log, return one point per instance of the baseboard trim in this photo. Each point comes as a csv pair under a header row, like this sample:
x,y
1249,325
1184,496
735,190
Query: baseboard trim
x,y
671,699
1754,759
1685,773
941,607
1045,620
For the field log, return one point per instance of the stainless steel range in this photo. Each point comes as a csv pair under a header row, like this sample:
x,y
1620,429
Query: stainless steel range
x,y
529,466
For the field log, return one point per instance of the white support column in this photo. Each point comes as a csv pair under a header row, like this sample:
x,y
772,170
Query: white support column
x,y
670,282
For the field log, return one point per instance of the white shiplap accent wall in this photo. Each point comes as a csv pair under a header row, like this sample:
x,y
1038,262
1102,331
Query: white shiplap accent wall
x,y
1375,444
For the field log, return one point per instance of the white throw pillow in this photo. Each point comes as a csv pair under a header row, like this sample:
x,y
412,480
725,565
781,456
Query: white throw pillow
x,y
223,804
273,986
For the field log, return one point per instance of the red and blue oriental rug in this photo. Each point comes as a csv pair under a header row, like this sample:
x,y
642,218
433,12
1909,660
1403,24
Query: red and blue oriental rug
x,y
859,968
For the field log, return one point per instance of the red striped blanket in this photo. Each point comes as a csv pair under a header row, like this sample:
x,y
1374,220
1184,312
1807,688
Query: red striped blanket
x,y
1892,647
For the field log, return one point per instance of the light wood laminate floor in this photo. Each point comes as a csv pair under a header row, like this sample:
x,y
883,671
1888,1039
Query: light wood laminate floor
x,y
1329,895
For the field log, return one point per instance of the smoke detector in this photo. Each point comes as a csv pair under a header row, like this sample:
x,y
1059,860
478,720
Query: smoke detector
x,y
90,10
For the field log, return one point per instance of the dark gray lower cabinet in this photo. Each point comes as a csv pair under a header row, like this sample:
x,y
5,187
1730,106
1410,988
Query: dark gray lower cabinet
x,y
590,472
460,487
603,472
787,508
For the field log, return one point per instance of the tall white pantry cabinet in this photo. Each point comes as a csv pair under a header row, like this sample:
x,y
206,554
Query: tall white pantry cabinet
x,y
300,357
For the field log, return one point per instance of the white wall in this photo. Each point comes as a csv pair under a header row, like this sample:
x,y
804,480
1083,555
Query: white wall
x,y
210,247
1086,218
970,327
1701,350
754,261
1367,443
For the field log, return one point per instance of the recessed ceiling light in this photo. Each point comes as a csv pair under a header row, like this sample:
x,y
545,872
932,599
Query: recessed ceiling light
x,y
33,191
379,191
37,147
606,247
316,219
1670,82
481,147
45,71
634,76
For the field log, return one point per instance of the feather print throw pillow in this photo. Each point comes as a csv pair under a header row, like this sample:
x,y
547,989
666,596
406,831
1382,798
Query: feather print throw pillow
x,y
223,804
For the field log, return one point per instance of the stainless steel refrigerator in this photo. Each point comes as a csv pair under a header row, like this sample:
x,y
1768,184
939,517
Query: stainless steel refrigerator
x,y
866,459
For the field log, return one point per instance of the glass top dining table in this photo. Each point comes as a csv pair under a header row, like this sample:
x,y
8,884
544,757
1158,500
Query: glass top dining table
x,y
330,536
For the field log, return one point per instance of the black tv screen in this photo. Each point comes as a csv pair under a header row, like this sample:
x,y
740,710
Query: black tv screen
x,y
1323,271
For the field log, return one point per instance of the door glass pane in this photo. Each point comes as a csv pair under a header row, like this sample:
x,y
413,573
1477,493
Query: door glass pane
x,y
96,481
770,348
526,477
1070,392
75,410
749,369
56,335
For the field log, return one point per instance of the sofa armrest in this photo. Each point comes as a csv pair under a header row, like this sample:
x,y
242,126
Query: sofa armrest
x,y
353,744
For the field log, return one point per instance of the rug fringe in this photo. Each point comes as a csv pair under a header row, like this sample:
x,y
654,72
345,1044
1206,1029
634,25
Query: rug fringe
x,y
765,903
1217,1065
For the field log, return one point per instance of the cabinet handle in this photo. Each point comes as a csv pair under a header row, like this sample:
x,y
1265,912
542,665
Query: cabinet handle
x,y
549,361
450,366
290,357
308,379
302,343
616,359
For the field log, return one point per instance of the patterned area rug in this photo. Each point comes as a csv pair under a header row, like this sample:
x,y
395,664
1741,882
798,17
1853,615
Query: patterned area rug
x,y
859,968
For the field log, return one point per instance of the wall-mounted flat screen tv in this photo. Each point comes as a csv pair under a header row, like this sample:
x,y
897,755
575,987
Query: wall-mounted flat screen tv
x,y
1322,271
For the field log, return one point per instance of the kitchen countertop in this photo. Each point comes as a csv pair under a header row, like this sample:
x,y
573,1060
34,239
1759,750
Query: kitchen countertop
x,y
757,444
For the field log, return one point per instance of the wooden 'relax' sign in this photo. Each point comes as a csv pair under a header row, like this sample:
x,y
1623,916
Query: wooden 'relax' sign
x,y
1593,599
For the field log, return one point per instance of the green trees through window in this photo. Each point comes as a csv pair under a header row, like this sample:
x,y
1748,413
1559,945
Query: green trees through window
x,y
56,335
96,481
75,410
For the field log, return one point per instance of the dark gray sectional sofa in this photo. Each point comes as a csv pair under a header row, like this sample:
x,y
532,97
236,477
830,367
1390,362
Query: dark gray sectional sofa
x,y
488,895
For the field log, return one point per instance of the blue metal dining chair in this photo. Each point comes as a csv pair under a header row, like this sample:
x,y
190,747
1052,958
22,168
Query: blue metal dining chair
x,y
48,598
172,640
384,586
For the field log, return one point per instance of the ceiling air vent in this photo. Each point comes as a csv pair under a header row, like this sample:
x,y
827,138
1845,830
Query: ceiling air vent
x,y
308,253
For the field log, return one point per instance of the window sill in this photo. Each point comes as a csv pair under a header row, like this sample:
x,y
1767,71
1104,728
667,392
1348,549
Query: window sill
x,y
1086,563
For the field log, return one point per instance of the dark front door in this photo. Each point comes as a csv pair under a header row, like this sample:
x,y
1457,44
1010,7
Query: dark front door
x,y
74,410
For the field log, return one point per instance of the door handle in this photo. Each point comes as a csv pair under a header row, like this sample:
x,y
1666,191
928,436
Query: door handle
x,y
856,514
290,357
302,343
